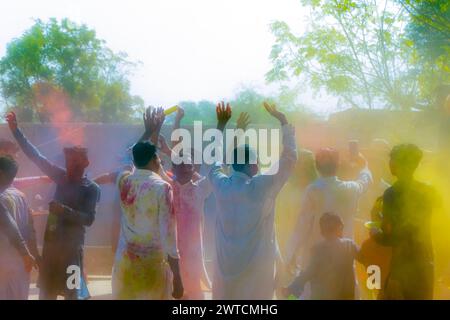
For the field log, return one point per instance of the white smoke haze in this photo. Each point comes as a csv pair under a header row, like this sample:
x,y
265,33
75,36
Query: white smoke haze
x,y
189,50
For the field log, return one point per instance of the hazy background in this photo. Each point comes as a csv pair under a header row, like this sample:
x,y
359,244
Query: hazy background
x,y
189,50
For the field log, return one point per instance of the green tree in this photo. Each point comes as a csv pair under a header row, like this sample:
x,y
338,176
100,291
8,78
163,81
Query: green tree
x,y
353,49
59,66
247,99
429,29
203,110
434,14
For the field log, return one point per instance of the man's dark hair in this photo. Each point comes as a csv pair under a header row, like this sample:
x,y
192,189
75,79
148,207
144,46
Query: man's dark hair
x,y
327,161
237,162
407,155
9,167
329,222
143,153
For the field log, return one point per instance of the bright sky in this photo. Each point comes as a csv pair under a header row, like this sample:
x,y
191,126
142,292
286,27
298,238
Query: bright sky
x,y
189,49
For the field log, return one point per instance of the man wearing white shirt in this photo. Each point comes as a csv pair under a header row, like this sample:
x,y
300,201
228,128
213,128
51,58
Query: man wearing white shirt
x,y
327,194
245,237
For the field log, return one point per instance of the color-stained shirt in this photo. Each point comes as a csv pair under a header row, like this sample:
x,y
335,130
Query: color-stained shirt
x,y
189,200
147,237
148,220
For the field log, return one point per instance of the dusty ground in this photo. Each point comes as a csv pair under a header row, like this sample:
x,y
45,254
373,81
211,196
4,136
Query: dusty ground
x,y
99,287
98,261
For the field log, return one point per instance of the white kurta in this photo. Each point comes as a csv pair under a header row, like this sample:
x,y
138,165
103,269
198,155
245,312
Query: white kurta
x,y
147,237
326,195
245,238
14,279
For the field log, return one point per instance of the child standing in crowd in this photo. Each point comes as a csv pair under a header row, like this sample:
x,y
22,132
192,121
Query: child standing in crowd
x,y
330,271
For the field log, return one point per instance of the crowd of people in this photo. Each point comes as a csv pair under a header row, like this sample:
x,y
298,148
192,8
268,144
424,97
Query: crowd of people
x,y
160,251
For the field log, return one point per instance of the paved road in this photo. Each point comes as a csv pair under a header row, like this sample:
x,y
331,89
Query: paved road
x,y
99,287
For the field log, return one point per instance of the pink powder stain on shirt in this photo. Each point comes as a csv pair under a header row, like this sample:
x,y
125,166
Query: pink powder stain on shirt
x,y
126,193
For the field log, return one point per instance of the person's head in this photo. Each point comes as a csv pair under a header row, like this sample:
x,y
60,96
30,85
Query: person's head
x,y
8,171
146,157
327,162
305,171
245,160
7,147
331,226
184,170
404,160
76,162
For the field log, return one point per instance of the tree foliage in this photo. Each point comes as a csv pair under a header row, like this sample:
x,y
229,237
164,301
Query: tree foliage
x,y
353,49
247,99
429,29
60,58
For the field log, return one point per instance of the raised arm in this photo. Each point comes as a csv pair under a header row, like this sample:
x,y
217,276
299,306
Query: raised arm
x,y
364,180
51,170
280,172
223,114
164,147
216,176
111,177
177,124
241,126
153,120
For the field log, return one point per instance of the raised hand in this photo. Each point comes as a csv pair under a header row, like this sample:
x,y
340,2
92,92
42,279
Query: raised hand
x,y
12,121
159,118
164,146
153,120
223,115
147,117
360,161
243,121
274,112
